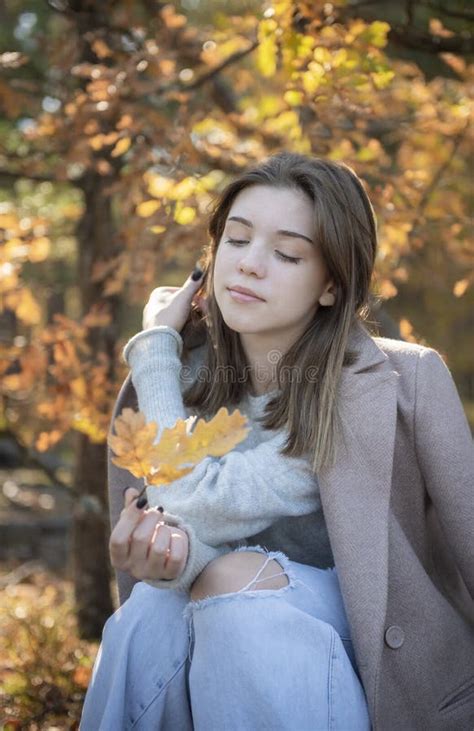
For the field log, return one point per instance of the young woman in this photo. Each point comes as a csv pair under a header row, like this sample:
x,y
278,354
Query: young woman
x,y
321,574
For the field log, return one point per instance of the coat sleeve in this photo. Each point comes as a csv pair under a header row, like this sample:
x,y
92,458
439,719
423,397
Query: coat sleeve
x,y
445,453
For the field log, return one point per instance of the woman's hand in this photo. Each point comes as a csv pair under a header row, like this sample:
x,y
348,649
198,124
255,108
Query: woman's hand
x,y
171,305
144,546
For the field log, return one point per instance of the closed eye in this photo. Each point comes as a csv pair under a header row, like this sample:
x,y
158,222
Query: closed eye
x,y
284,257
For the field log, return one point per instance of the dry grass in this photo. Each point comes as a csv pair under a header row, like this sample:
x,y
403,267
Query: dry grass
x,y
45,668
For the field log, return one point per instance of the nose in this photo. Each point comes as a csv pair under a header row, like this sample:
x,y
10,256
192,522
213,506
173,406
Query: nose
x,y
252,262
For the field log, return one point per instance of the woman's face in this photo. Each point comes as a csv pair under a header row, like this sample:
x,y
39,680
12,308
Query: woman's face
x,y
268,247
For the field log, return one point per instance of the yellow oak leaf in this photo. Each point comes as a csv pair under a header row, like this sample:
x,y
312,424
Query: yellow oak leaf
x,y
179,447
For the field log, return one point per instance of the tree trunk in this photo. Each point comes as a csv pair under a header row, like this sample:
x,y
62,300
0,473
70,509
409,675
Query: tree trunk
x,y
91,562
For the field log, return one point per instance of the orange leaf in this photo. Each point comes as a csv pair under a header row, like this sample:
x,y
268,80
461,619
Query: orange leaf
x,y
178,449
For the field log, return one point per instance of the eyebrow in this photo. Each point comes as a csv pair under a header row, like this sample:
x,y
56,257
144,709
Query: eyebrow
x,y
282,232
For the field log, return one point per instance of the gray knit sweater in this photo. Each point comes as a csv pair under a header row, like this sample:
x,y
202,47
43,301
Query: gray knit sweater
x,y
251,496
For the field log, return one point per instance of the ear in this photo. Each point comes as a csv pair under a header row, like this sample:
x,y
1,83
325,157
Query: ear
x,y
328,297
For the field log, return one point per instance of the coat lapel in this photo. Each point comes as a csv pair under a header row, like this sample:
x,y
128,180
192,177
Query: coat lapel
x,y
355,495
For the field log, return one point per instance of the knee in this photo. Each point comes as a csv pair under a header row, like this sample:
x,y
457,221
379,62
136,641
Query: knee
x,y
232,572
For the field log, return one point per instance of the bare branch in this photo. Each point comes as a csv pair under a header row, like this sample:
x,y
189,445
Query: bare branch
x,y
450,13
410,12
233,58
152,98
412,38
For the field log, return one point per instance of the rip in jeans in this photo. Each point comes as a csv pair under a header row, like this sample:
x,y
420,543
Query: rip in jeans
x,y
245,591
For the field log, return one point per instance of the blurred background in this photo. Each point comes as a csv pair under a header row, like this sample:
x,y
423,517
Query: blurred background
x,y
119,122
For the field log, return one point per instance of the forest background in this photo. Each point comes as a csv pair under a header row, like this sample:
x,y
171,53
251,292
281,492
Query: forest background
x,y
119,121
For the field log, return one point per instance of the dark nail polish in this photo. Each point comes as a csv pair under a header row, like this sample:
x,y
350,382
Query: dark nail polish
x,y
197,274
161,509
141,502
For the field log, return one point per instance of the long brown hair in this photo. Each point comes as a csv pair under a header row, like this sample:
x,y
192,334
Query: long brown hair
x,y
346,234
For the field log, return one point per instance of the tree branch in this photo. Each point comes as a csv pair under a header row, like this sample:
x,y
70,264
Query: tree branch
x,y
153,95
33,458
429,190
362,3
13,176
412,38
409,12
462,14
229,61
408,36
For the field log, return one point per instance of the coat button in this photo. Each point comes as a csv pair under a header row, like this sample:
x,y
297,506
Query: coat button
x,y
394,637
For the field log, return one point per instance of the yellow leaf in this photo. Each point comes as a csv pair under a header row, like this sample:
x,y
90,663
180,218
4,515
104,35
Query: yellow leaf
x,y
178,449
46,440
460,287
387,289
121,147
293,98
157,229
377,33
184,215
78,387
406,330
158,185
322,55
39,249
221,433
267,48
84,424
101,49
148,208
183,189
370,152
382,79
25,306
167,474
97,142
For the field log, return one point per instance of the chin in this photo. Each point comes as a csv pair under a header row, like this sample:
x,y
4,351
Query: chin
x,y
239,324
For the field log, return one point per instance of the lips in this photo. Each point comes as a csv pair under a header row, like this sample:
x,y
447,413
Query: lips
x,y
246,292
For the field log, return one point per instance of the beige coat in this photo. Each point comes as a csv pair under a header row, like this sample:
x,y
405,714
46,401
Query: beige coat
x,y
399,507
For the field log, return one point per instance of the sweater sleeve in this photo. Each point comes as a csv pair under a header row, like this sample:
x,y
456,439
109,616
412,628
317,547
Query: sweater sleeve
x,y
226,498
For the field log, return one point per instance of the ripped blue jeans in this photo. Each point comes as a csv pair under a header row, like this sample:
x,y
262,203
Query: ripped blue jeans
x,y
251,660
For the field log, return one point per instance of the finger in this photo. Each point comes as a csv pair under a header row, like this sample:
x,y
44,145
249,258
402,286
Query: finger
x,y
178,554
141,542
197,274
119,543
158,553
129,495
194,281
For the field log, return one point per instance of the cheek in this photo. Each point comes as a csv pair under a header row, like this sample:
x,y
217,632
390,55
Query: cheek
x,y
299,294
218,269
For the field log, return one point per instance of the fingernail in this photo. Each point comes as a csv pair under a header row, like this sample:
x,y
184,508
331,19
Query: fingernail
x,y
197,274
129,487
141,502
161,509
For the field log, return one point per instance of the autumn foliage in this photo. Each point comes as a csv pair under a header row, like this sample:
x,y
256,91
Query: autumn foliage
x,y
120,123
138,113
